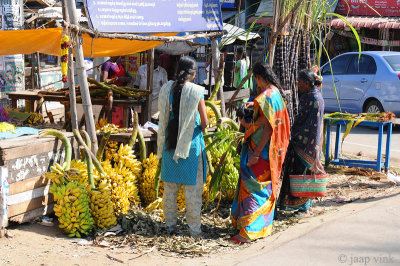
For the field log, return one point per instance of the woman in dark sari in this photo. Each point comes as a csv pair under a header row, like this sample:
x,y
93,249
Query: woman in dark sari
x,y
304,153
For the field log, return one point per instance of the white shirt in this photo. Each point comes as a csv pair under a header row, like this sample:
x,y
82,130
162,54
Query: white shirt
x,y
160,77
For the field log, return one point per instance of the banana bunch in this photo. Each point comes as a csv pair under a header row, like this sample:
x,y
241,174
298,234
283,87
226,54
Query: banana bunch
x,y
102,126
116,183
146,183
155,205
231,176
110,150
78,172
5,127
57,174
34,119
212,118
205,188
125,157
130,183
101,207
180,201
72,208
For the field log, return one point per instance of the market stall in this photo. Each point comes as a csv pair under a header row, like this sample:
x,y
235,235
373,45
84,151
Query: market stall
x,y
27,197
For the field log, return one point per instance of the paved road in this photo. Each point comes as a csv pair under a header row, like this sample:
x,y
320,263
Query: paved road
x,y
365,140
367,237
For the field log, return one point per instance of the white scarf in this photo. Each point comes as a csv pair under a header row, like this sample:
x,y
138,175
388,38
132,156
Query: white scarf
x,y
190,97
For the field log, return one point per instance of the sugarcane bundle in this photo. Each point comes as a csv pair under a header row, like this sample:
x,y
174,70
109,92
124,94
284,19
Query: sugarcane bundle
x,y
101,89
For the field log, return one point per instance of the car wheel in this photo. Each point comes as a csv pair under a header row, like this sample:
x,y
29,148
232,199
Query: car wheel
x,y
374,106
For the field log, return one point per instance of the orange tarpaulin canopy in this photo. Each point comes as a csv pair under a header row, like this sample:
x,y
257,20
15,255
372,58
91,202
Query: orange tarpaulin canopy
x,y
47,41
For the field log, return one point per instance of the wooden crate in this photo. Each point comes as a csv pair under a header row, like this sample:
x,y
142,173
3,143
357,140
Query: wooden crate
x,y
27,159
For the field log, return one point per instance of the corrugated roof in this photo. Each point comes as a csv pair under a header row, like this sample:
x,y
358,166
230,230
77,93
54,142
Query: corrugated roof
x,y
368,22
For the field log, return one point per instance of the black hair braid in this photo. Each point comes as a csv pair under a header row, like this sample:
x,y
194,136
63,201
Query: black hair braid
x,y
187,66
265,72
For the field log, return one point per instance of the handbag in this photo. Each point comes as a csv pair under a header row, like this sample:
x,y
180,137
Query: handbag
x,y
310,186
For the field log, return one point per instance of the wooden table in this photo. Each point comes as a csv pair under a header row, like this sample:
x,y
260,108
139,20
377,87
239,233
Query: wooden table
x,y
34,96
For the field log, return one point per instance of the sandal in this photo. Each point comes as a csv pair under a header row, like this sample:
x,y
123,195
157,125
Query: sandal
x,y
238,241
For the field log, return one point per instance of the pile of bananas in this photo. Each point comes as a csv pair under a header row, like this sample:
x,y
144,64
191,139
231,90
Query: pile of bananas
x,y
101,207
102,126
110,150
34,119
5,127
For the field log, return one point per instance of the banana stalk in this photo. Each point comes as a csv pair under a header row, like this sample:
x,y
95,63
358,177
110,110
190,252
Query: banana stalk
x,y
142,146
229,122
88,152
102,146
135,125
157,180
214,108
65,142
90,171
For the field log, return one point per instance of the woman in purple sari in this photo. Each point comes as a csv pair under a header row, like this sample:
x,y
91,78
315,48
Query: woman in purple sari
x,y
304,153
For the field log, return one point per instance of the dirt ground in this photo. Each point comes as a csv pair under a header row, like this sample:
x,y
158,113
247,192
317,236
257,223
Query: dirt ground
x,y
43,243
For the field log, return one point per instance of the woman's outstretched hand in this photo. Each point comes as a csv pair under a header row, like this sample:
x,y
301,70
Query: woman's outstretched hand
x,y
249,105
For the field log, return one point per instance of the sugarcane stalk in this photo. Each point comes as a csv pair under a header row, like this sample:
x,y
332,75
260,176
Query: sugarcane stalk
x,y
127,91
65,142
273,37
135,129
102,145
80,141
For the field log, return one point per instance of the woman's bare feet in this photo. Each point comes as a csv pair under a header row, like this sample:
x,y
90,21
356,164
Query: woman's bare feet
x,y
306,213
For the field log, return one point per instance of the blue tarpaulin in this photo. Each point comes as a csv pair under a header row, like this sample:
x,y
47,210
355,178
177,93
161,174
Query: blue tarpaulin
x,y
19,131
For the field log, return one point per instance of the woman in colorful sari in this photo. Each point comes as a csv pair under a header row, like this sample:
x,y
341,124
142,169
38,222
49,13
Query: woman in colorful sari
x,y
263,152
306,142
183,118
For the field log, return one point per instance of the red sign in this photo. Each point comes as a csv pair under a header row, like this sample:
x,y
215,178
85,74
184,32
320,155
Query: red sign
x,y
385,8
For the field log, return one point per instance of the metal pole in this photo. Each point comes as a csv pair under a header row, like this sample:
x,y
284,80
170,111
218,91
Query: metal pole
x,y
150,70
71,77
80,62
